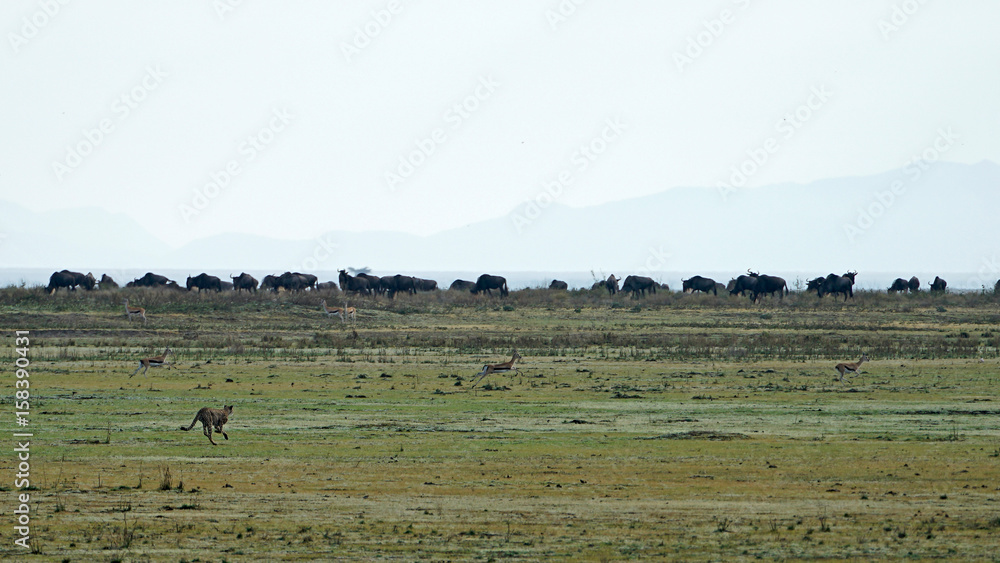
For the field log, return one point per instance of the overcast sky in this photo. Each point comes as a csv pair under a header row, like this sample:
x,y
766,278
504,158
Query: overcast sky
x,y
295,118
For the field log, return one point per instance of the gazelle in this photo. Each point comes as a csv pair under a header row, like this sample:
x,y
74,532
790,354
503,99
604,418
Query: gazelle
x,y
497,368
854,367
133,311
341,312
154,362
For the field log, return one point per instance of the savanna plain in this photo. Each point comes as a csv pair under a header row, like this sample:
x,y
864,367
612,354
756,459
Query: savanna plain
x,y
674,427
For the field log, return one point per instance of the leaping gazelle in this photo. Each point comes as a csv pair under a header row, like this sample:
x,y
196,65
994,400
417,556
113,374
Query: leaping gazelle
x,y
154,362
341,312
133,311
505,367
852,367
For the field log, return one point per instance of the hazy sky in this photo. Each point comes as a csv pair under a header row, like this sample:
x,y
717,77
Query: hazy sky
x,y
294,118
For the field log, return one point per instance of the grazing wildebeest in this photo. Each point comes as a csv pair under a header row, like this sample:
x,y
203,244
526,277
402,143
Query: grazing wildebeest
x,y
463,285
558,284
244,281
227,286
153,280
770,285
204,281
699,283
638,285
421,284
353,283
107,283
939,285
743,284
270,283
374,282
914,284
719,286
487,283
898,285
834,284
401,283
815,284
328,285
66,278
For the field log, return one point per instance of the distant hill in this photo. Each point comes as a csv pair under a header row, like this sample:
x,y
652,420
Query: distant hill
x,y
943,220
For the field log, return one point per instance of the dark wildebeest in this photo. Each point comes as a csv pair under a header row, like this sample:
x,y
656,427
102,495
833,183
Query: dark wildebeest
x,y
743,284
107,283
913,284
269,283
698,283
939,285
558,284
898,285
355,284
204,281
329,285
401,283
770,285
834,284
815,284
374,282
244,281
488,283
152,280
638,285
996,288
720,287
463,285
421,284
227,286
68,279
611,284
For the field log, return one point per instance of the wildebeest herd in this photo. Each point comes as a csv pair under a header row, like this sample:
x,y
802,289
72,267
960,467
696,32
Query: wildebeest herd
x,y
752,284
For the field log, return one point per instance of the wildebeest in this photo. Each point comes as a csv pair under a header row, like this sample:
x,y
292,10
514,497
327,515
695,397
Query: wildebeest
x,y
719,286
913,284
244,282
68,279
558,284
834,284
770,285
152,280
107,282
421,284
815,284
294,281
327,285
227,286
611,284
639,285
463,285
743,284
204,281
402,283
487,283
698,283
898,285
374,282
996,288
939,285
269,283
353,283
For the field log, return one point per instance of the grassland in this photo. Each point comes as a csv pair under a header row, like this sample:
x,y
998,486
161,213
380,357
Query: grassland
x,y
676,427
